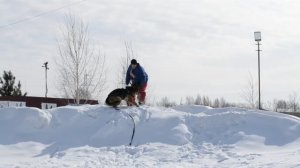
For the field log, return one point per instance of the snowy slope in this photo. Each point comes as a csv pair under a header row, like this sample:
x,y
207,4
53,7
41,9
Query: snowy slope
x,y
183,136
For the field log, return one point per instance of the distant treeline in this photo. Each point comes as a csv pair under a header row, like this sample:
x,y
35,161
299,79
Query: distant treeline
x,y
290,105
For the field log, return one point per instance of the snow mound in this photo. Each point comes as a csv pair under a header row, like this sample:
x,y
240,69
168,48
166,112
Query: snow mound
x,y
192,108
182,136
19,124
100,126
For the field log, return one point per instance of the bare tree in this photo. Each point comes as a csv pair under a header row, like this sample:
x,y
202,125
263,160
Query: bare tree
x,y
189,100
206,101
293,103
198,100
216,103
249,93
125,62
224,103
165,102
181,102
280,106
81,66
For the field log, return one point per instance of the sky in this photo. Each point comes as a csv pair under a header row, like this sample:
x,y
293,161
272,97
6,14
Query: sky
x,y
187,47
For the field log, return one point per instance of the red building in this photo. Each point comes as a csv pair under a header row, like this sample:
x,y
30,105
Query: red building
x,y
39,102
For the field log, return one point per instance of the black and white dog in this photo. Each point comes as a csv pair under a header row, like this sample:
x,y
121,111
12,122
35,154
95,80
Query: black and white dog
x,y
115,97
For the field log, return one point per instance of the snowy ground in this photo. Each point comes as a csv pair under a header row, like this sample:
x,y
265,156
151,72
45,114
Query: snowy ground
x,y
183,136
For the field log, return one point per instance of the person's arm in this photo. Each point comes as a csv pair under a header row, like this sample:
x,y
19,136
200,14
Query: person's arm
x,y
128,75
132,75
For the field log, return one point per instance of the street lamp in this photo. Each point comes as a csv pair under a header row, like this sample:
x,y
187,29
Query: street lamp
x,y
257,37
46,68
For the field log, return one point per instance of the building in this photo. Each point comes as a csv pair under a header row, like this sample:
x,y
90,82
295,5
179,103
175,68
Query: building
x,y
39,102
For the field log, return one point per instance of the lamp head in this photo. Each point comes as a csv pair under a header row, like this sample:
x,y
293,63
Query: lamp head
x,y
257,36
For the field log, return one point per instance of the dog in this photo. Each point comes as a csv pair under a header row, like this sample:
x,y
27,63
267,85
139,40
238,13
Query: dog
x,y
115,97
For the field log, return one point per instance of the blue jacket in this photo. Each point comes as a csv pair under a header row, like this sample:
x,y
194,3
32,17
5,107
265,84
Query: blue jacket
x,y
141,77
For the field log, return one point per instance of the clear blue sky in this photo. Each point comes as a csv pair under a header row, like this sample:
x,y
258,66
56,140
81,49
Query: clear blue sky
x,y
187,47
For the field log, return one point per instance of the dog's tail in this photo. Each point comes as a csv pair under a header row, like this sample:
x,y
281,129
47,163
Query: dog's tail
x,y
107,101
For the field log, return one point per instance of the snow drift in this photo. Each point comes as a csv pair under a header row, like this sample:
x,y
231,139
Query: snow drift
x,y
68,128
103,126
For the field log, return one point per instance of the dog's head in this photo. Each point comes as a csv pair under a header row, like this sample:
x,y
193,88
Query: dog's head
x,y
131,90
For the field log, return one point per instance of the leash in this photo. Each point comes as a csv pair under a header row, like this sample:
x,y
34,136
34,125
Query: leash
x,y
133,130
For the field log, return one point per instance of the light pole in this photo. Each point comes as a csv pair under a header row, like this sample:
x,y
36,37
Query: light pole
x,y
257,37
46,68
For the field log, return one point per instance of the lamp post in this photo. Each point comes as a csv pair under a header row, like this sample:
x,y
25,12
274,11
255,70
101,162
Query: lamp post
x,y
257,37
46,68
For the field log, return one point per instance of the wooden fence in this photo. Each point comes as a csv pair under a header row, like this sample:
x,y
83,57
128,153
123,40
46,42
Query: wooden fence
x,y
39,102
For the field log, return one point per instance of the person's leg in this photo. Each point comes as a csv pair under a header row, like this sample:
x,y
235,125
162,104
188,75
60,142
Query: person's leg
x,y
142,94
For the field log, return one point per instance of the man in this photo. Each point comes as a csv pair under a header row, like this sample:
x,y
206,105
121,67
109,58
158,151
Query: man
x,y
139,78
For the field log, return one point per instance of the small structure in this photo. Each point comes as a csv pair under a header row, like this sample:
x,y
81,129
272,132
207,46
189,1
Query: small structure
x,y
39,102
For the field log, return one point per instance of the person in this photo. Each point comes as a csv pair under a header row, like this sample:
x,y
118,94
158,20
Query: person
x,y
138,78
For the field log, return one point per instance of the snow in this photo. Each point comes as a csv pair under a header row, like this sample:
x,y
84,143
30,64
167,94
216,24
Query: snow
x,y
183,136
